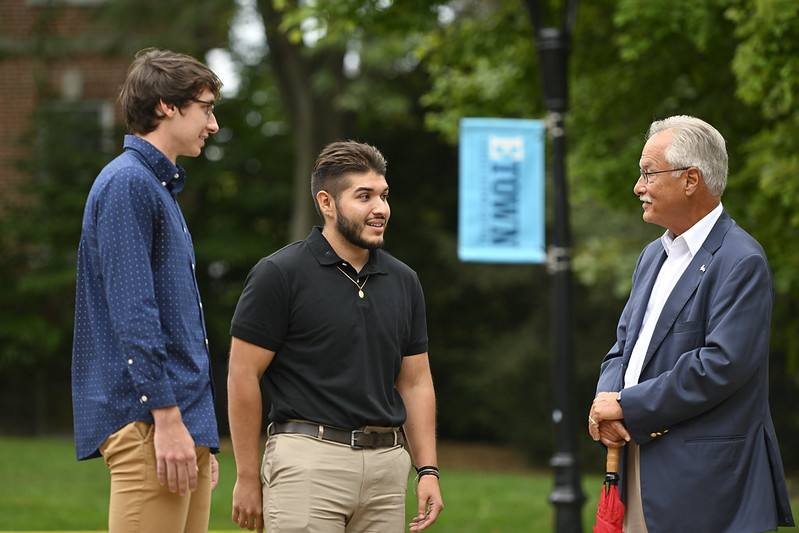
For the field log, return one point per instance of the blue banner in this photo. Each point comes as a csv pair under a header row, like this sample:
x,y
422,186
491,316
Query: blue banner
x,y
501,191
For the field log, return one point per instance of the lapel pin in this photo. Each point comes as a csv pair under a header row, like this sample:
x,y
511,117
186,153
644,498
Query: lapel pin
x,y
702,268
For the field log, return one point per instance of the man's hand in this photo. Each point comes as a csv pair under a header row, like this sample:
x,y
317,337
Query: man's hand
x,y
248,504
430,503
612,433
214,472
605,421
605,407
174,451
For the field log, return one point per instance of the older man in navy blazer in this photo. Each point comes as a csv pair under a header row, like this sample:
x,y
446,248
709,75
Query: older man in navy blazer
x,y
685,387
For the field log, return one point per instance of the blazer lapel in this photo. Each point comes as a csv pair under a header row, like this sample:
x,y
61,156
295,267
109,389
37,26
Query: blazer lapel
x,y
687,284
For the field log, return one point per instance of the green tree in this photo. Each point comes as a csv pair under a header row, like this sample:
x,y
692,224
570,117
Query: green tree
x,y
731,62
39,238
401,75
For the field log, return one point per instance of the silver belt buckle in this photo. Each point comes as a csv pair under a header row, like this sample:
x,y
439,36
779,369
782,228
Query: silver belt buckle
x,y
352,439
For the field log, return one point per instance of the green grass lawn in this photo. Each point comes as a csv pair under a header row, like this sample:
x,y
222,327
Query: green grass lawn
x,y
43,488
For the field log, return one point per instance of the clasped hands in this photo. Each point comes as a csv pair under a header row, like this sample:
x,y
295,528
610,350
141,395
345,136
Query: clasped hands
x,y
606,421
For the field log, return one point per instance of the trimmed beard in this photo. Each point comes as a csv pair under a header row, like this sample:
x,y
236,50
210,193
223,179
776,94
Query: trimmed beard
x,y
350,231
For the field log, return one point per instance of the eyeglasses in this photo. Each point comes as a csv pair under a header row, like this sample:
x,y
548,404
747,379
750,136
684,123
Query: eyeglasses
x,y
210,110
646,174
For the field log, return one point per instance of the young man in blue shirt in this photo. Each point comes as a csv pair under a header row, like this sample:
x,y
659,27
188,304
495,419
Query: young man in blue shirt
x,y
141,377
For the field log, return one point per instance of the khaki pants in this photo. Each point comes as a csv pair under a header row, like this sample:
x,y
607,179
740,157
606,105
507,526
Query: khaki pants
x,y
634,513
311,485
139,504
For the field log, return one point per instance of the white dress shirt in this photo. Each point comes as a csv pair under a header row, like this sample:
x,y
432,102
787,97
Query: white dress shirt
x,y
680,252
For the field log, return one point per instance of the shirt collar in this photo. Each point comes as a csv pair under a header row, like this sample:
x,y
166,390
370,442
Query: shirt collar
x,y
325,254
171,176
695,236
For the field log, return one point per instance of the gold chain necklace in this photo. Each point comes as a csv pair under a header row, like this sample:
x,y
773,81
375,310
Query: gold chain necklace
x,y
360,287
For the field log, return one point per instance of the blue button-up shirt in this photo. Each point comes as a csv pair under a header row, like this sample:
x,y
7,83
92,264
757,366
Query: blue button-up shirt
x,y
140,341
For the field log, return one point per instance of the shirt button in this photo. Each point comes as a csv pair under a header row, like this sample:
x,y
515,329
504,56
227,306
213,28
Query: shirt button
x,y
192,266
201,305
130,361
206,342
176,176
163,183
143,399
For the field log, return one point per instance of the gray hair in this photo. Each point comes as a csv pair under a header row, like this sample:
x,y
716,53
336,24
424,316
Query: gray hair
x,y
696,144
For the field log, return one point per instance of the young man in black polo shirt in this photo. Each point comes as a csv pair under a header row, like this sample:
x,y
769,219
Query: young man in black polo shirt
x,y
337,327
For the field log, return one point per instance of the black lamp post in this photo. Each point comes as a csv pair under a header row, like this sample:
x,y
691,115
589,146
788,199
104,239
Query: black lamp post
x,y
553,53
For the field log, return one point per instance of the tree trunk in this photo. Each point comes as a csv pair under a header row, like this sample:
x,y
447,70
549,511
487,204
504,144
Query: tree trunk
x,y
314,120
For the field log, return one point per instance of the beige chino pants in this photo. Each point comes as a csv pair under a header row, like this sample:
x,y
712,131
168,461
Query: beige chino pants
x,y
634,513
139,504
317,486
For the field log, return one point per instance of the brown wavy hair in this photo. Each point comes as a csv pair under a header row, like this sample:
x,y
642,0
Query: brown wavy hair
x,y
157,75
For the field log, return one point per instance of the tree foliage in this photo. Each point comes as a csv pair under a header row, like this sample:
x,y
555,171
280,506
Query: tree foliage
x,y
38,239
731,62
400,75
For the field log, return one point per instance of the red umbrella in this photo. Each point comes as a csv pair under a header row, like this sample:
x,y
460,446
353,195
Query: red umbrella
x,y
610,512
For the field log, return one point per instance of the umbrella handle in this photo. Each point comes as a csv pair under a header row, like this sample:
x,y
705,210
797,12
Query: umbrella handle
x,y
613,460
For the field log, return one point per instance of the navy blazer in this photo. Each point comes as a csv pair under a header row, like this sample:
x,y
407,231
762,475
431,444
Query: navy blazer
x,y
709,454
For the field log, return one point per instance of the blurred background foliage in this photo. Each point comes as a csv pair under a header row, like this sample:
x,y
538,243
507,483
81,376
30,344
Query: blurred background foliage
x,y
400,75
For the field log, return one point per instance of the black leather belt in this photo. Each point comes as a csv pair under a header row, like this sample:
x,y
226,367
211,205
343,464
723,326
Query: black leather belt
x,y
356,438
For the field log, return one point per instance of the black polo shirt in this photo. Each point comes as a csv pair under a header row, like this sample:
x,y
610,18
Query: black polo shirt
x,y
337,356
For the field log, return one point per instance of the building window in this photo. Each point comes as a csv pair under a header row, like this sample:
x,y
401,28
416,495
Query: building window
x,y
73,137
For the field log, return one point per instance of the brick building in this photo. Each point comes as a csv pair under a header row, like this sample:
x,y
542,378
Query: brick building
x,y
56,60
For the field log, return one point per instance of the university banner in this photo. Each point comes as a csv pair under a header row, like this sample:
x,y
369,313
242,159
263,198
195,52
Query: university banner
x,y
501,191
